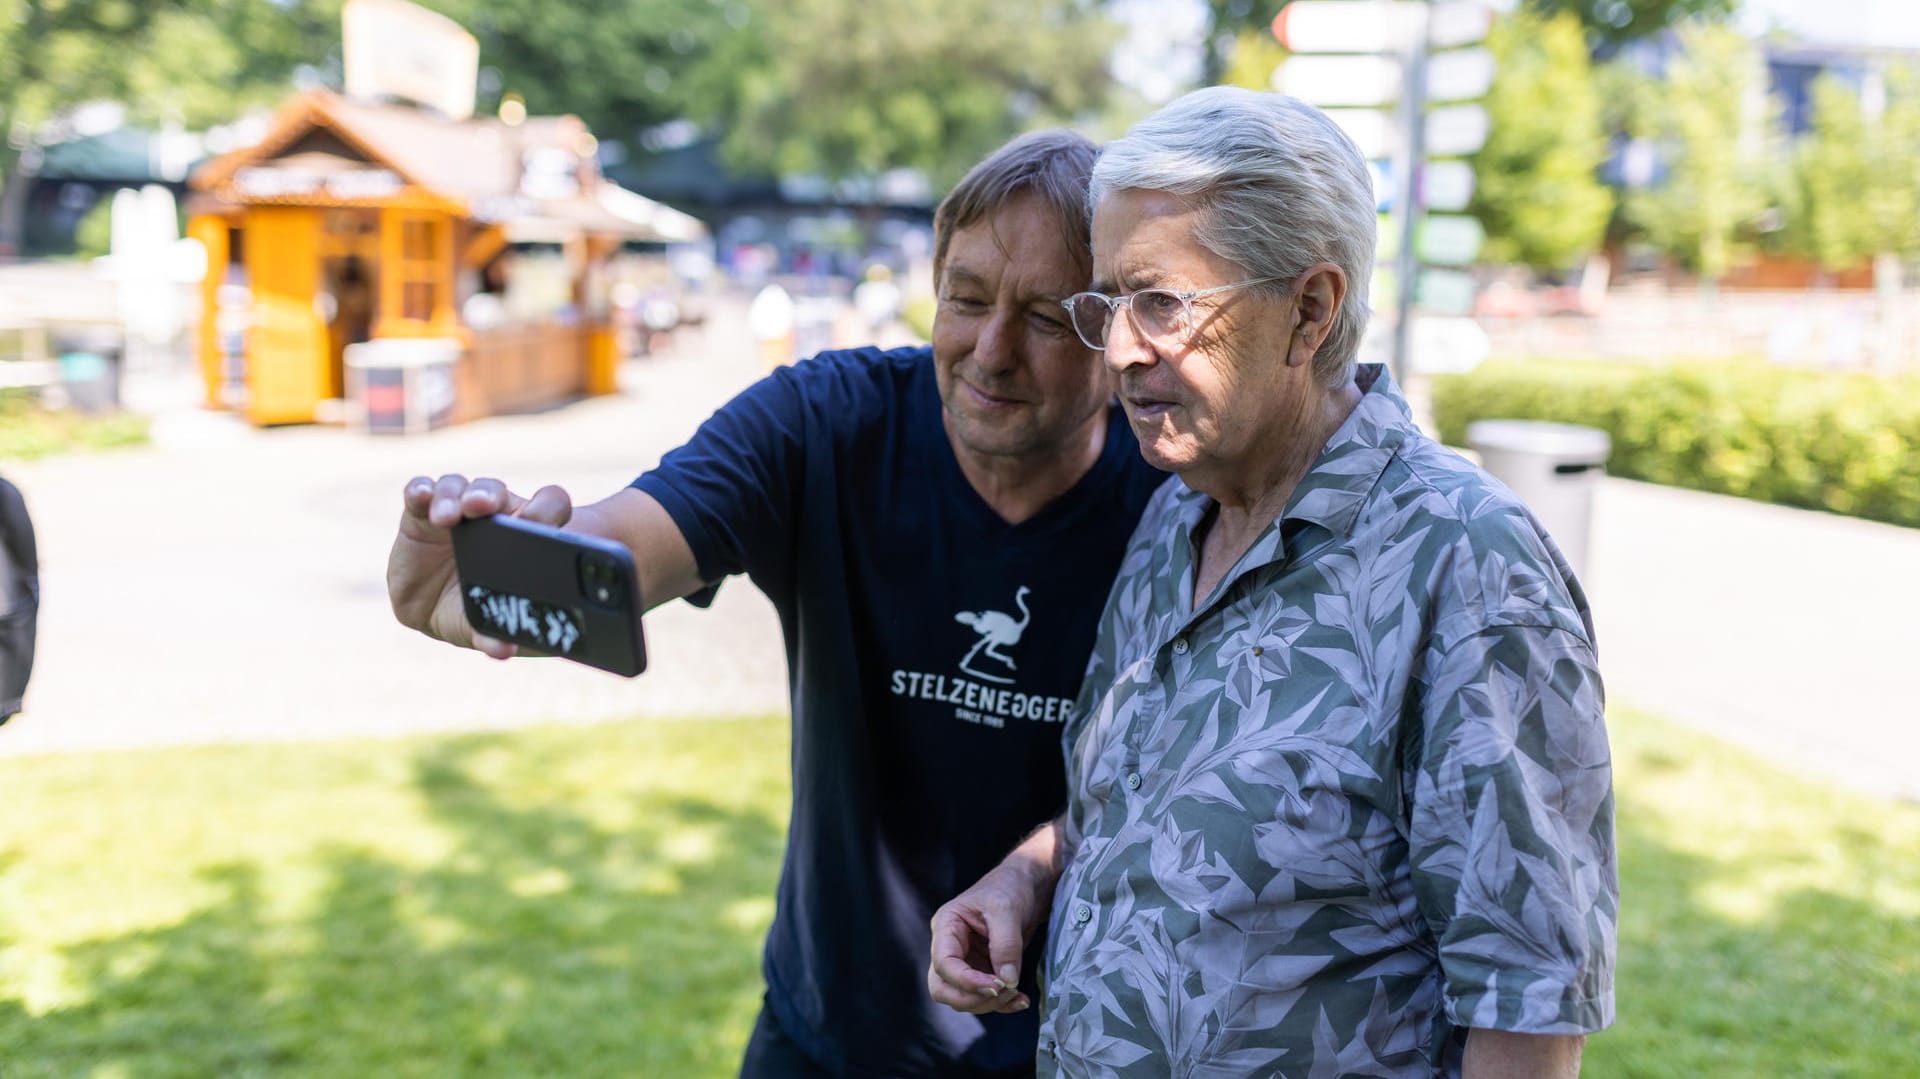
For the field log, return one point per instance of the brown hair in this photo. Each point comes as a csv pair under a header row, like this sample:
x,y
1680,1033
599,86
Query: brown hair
x,y
1053,165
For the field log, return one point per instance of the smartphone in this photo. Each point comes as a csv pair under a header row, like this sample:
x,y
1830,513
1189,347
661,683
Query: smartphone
x,y
551,592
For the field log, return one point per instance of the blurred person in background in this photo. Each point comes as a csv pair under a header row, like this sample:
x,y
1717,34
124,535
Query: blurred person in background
x,y
937,528
877,299
1339,791
19,599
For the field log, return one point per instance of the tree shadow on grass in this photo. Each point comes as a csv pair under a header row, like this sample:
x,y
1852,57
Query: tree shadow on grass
x,y
541,944
539,941
1820,983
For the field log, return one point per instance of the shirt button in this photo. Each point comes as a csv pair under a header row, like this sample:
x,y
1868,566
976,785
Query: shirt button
x,y
1133,781
1083,915
1053,1047
1179,646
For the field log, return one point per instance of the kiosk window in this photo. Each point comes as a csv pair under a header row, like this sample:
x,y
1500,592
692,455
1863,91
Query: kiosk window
x,y
420,268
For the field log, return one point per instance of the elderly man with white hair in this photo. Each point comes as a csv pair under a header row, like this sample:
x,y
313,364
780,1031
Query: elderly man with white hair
x,y
1339,791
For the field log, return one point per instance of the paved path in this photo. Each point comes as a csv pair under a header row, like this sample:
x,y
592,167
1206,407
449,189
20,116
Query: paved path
x,y
227,585
1791,632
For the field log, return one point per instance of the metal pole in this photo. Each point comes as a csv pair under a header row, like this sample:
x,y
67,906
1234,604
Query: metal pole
x,y
1413,149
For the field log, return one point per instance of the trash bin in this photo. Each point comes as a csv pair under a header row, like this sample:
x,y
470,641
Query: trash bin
x,y
89,362
401,385
1554,468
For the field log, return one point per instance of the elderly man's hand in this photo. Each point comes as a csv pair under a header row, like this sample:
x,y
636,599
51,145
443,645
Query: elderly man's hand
x,y
979,936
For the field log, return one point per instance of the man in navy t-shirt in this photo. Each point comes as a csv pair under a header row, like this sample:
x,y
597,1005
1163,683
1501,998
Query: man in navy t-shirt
x,y
938,529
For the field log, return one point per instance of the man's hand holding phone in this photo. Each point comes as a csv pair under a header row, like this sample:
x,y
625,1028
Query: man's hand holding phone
x,y
476,565
422,580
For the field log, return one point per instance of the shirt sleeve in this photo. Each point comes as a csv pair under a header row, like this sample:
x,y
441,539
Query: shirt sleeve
x,y
1512,830
733,488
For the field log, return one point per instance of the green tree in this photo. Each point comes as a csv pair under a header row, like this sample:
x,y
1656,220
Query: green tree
x,y
54,54
1233,26
1538,190
1830,211
93,234
841,89
620,65
1895,159
1610,23
209,61
1854,188
1708,117
1250,65
191,62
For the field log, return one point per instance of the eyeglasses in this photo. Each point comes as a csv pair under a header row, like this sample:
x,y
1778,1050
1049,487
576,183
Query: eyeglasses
x,y
1163,316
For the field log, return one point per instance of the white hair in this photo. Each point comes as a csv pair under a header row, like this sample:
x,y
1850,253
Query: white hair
x,y
1282,186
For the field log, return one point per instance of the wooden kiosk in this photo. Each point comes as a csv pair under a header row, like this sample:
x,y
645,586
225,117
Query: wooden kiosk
x,y
362,237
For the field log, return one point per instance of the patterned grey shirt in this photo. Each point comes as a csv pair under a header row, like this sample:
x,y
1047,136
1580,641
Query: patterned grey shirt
x,y
1356,802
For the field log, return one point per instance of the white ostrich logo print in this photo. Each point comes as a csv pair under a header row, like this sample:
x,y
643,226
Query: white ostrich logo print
x,y
997,630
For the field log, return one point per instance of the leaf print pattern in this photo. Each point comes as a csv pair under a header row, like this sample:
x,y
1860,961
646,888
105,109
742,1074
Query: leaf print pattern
x,y
1357,802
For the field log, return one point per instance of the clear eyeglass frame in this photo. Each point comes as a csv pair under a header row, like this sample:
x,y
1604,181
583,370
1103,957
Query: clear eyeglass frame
x,y
1174,334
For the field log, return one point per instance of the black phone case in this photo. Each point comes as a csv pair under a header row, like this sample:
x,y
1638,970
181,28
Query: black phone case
x,y
531,584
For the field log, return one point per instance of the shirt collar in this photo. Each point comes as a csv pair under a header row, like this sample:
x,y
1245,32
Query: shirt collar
x,y
1330,495
1336,487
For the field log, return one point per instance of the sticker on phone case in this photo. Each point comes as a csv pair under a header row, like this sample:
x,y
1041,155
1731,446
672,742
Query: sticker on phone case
x,y
518,618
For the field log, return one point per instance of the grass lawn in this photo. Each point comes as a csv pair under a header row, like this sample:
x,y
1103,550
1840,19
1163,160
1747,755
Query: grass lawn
x,y
28,430
556,902
1769,925
589,901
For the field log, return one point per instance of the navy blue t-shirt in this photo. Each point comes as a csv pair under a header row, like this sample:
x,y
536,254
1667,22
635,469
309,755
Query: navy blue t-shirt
x,y
933,650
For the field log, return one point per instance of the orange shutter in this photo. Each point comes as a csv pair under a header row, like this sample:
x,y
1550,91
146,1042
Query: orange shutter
x,y
287,346
211,231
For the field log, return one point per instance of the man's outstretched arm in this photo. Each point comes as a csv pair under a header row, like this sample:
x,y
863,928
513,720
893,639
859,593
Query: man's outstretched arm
x,y
425,589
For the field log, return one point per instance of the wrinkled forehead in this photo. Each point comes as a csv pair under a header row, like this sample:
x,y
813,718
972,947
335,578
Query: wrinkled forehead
x,y
1141,237
1024,240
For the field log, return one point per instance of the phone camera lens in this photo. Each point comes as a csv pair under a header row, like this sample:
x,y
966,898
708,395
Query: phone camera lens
x,y
602,581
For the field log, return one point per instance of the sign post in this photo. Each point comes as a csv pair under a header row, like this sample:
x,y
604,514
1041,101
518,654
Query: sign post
x,y
1406,199
1356,59
392,48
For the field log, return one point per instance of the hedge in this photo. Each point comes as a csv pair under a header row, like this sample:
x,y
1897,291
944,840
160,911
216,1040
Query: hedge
x,y
1849,443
